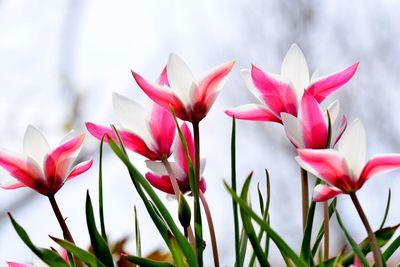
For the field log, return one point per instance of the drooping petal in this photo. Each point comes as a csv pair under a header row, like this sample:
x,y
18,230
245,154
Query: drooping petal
x,y
80,168
208,89
324,193
131,141
315,128
162,129
379,164
295,68
324,86
352,147
181,79
179,152
11,184
253,112
293,129
35,145
163,79
162,96
328,165
163,183
277,94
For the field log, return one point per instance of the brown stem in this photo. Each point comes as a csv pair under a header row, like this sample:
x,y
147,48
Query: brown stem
x,y
371,235
60,219
211,228
326,230
304,195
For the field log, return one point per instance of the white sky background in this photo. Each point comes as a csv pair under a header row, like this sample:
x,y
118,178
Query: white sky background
x,y
55,52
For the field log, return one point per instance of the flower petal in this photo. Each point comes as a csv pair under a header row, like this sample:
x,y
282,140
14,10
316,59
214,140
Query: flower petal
x,y
208,89
379,164
293,129
328,165
324,193
158,168
35,145
352,147
163,79
162,129
79,169
294,67
315,128
11,184
15,264
324,86
338,130
277,94
131,141
164,184
253,112
179,152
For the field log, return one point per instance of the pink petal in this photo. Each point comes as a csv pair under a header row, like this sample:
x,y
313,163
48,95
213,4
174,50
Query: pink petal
x,y
163,79
293,129
11,184
315,128
328,165
357,262
326,85
164,184
24,170
379,164
338,130
162,128
15,264
130,140
80,168
253,112
162,97
179,152
279,96
324,193
208,88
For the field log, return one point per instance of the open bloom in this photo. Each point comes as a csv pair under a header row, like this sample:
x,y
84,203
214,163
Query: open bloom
x,y
40,168
282,93
345,170
150,134
159,176
36,262
191,99
313,128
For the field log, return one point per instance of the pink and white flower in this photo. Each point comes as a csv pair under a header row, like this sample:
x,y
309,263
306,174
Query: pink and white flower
x,y
313,128
43,169
159,177
282,93
345,170
190,98
149,133
36,262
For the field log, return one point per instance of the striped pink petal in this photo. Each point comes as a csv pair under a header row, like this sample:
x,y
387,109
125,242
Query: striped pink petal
x,y
293,129
324,86
328,165
379,164
163,183
15,264
162,128
324,193
315,128
208,89
130,140
163,79
338,130
80,168
179,152
11,184
161,96
278,95
253,112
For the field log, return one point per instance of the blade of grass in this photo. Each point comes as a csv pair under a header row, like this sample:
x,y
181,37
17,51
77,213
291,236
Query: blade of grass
x,y
386,210
101,210
147,262
137,235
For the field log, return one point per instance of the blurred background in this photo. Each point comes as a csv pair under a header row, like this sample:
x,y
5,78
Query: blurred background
x,y
60,61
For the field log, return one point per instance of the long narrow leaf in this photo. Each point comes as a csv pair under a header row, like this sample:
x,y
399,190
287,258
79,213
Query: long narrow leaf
x,y
147,262
386,210
101,210
391,249
137,235
280,243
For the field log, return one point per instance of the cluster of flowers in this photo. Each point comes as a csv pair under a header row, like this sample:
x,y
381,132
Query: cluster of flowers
x,y
291,98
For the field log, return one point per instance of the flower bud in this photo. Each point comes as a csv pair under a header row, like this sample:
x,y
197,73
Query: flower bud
x,y
184,213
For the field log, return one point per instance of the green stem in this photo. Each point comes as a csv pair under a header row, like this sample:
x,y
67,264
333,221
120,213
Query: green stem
x,y
304,195
371,235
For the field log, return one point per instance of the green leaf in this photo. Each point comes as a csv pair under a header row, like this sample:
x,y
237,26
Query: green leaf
x,y
392,248
147,262
79,253
332,208
101,211
141,183
137,235
46,255
177,253
243,246
386,210
351,241
99,245
280,243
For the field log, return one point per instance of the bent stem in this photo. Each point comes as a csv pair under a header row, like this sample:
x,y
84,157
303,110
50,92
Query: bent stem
x,y
304,195
211,228
326,230
188,230
371,235
60,219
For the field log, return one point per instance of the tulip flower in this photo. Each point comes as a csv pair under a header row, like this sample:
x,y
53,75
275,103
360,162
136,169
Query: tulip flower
x,y
40,168
282,93
190,98
314,128
345,170
36,262
160,176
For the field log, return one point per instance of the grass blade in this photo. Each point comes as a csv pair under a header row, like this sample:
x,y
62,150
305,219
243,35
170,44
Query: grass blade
x,y
101,210
386,210
147,262
137,235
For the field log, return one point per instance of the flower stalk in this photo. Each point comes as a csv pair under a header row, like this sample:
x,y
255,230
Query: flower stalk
x,y
326,230
60,219
304,195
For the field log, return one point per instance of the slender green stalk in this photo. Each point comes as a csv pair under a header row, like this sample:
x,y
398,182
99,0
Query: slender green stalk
x,y
304,195
371,234
101,206
211,228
